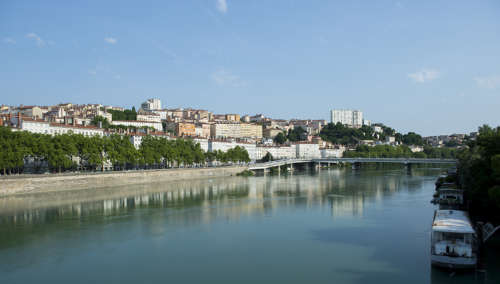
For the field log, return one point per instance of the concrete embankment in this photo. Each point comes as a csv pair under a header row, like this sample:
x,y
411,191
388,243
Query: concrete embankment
x,y
52,183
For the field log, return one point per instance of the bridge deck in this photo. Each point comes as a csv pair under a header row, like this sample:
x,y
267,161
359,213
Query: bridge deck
x,y
404,161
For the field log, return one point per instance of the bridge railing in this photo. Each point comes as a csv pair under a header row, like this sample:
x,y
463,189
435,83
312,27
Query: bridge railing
x,y
276,163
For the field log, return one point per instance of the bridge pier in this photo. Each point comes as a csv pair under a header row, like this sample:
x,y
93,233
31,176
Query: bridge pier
x,y
356,165
408,168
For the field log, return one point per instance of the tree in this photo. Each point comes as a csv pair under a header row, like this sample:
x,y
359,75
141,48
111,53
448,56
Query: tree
x,y
479,169
280,138
411,138
340,134
267,158
123,115
296,134
103,120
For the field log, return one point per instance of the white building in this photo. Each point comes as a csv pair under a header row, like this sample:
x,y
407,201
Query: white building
x,y
377,129
351,118
307,150
278,152
416,148
139,124
203,143
136,138
390,139
44,127
163,113
332,153
151,104
148,116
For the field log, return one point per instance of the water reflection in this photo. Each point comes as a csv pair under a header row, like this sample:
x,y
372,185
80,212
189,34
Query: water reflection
x,y
339,190
344,225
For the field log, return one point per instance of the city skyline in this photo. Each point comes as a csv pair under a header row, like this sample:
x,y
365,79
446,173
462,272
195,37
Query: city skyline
x,y
403,64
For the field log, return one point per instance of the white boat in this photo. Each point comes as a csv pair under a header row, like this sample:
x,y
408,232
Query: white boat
x,y
449,198
453,240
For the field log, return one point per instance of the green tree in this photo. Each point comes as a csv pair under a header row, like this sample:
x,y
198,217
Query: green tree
x,y
478,174
105,123
267,158
296,134
280,138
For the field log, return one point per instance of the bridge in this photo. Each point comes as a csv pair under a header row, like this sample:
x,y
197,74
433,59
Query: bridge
x,y
356,161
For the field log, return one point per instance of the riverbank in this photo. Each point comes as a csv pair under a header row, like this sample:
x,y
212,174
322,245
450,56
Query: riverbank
x,y
54,183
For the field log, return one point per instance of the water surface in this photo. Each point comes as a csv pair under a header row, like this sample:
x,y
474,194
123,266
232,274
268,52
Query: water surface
x,y
332,226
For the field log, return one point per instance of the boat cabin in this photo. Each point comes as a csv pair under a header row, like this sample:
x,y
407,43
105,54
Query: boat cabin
x,y
450,198
453,240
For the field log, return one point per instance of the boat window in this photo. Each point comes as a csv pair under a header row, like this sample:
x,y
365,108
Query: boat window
x,y
452,237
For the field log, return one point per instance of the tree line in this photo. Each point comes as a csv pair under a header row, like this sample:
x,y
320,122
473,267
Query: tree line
x,y
402,151
479,174
341,134
126,114
69,152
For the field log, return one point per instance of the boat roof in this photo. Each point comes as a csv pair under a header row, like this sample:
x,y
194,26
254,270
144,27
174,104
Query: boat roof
x,y
452,221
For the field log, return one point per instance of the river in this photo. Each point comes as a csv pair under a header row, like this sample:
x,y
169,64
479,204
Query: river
x,y
332,226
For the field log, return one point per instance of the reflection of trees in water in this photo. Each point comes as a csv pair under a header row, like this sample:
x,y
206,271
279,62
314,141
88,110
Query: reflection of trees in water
x,y
205,201
343,190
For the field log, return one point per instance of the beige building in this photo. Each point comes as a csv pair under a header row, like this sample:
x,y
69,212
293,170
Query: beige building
x,y
31,111
251,130
233,117
235,130
202,130
185,129
224,130
271,132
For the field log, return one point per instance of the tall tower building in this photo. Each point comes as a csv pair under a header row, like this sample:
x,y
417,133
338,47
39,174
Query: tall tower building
x,y
350,118
151,104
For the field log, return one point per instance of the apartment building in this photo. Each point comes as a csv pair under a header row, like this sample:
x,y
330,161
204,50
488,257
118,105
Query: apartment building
x,y
202,130
148,116
45,127
151,104
278,152
350,118
139,124
307,150
185,129
235,130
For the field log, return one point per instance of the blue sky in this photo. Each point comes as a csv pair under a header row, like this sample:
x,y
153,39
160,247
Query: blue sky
x,y
426,66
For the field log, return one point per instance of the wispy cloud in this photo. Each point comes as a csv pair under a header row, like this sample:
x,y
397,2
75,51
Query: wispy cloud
x,y
223,77
110,40
424,75
488,82
39,41
9,40
92,72
221,5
